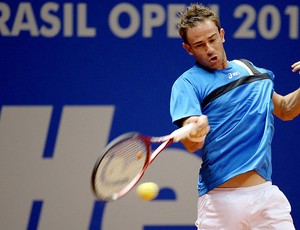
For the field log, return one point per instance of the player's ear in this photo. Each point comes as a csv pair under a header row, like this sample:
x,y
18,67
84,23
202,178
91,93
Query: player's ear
x,y
222,33
188,49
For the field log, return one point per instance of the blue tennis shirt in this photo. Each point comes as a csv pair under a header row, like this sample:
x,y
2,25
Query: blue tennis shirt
x,y
240,119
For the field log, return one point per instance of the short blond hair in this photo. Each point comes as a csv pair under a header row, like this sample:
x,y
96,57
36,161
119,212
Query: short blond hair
x,y
192,15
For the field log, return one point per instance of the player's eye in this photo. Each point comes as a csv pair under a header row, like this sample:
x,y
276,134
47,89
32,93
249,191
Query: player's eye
x,y
199,45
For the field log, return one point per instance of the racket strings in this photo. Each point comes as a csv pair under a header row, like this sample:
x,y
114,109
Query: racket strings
x,y
119,166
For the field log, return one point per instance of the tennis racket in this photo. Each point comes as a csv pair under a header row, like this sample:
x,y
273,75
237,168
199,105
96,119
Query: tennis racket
x,y
124,160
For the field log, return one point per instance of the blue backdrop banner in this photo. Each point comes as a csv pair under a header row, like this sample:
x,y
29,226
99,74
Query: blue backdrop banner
x,y
76,74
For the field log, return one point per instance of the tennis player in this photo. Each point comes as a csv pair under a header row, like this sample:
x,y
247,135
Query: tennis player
x,y
233,103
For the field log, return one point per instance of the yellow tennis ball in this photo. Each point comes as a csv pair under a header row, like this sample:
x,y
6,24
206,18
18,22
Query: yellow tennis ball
x,y
147,191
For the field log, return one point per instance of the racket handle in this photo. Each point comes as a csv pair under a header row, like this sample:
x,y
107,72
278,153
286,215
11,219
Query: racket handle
x,y
182,132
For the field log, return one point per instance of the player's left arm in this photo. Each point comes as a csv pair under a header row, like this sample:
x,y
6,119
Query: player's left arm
x,y
288,107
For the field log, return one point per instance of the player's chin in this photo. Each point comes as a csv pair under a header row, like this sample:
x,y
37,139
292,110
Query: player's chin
x,y
209,64
212,66
215,63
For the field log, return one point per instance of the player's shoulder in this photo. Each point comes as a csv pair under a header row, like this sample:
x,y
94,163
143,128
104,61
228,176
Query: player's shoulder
x,y
188,78
194,72
255,68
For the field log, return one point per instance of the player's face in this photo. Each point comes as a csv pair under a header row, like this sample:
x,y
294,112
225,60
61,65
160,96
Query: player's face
x,y
206,45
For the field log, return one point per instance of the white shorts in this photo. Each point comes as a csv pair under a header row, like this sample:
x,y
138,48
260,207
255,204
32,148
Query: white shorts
x,y
257,207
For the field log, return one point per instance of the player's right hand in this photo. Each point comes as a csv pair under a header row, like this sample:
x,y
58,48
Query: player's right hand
x,y
203,128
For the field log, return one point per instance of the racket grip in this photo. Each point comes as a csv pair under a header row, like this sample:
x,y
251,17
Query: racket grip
x,y
182,132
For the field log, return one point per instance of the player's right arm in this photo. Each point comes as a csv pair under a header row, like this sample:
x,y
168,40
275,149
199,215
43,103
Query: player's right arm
x,y
195,141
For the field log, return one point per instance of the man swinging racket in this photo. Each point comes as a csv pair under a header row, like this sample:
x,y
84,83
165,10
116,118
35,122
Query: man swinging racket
x,y
233,103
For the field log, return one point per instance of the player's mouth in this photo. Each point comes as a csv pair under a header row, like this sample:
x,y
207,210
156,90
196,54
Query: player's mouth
x,y
213,60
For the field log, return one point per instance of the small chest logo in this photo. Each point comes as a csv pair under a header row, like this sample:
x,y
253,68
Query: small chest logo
x,y
234,74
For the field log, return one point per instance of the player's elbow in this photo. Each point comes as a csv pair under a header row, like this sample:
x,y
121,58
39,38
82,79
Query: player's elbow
x,y
286,117
287,112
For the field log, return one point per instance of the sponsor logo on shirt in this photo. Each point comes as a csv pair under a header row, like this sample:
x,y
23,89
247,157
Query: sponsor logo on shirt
x,y
234,74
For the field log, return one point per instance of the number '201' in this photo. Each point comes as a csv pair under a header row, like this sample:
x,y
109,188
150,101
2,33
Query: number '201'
x,y
266,30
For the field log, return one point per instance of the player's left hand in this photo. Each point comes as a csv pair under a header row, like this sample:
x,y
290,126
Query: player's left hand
x,y
296,67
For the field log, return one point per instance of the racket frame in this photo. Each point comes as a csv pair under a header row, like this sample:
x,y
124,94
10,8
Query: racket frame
x,y
165,141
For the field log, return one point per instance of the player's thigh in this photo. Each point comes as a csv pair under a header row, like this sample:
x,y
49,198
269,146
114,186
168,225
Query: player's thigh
x,y
222,211
275,212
